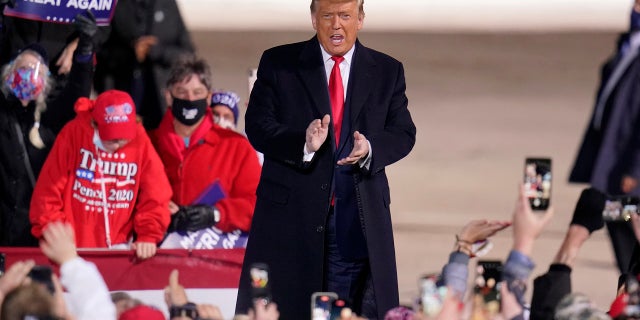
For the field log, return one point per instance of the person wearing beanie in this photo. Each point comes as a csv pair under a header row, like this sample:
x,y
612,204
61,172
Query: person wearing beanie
x,y
225,109
199,155
607,158
105,178
27,132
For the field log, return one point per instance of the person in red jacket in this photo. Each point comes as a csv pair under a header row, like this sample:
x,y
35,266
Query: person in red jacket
x,y
105,178
213,172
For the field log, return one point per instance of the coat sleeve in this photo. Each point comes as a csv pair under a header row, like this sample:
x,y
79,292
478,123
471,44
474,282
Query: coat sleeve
x,y
632,162
267,133
151,216
398,136
47,202
87,294
165,54
236,211
60,109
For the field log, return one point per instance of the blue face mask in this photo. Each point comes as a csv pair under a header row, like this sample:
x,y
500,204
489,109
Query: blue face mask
x,y
97,141
635,20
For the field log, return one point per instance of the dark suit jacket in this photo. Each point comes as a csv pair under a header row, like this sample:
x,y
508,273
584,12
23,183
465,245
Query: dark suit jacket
x,y
613,150
291,212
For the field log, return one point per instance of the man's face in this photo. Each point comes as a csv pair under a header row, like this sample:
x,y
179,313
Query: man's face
x,y
337,24
223,112
191,88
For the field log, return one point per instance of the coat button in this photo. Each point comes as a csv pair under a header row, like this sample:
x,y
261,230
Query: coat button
x,y
324,186
320,229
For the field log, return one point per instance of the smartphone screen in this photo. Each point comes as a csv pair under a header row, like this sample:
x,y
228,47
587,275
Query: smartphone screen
x,y
42,274
321,304
537,182
486,298
620,208
260,287
336,308
431,296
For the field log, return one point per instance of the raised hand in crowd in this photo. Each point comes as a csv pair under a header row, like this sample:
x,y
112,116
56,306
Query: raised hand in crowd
x,y
58,242
510,308
15,276
476,231
527,225
267,311
85,24
179,306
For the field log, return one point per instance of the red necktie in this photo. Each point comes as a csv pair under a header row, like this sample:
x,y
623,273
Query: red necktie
x,y
336,95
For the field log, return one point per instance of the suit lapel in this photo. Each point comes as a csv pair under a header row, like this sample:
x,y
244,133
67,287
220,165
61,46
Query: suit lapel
x,y
312,74
359,89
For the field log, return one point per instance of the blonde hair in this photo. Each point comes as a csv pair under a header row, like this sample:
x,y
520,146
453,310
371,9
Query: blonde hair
x,y
40,101
360,5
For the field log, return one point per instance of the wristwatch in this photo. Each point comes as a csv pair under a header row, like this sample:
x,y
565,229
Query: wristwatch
x,y
186,310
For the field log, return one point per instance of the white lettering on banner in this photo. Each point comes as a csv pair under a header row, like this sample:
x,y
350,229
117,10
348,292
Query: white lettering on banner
x,y
51,2
208,240
89,4
230,241
123,169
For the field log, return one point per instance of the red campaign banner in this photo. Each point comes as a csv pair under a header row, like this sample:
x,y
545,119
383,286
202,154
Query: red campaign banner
x,y
122,270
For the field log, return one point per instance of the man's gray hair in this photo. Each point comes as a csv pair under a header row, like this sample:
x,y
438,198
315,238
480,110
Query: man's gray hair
x,y
187,66
360,5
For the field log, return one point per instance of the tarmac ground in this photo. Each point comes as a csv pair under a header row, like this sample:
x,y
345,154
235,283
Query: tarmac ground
x,y
481,102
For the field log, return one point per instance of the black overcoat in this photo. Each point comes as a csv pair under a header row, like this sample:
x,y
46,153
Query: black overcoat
x,y
288,229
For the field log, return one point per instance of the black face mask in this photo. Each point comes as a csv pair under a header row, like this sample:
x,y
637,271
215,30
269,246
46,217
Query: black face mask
x,y
188,112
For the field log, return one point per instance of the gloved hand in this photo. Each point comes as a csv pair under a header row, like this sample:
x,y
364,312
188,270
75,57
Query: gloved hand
x,y
588,211
177,219
85,24
194,218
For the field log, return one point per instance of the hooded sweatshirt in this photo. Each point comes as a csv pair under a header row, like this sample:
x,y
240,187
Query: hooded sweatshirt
x,y
79,182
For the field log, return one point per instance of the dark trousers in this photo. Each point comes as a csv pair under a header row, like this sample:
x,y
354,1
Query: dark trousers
x,y
350,279
623,241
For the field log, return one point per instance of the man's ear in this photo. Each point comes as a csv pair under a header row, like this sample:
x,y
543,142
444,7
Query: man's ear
x,y
314,22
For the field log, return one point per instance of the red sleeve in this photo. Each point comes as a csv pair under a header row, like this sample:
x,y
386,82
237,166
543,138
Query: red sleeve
x,y
151,216
47,201
236,210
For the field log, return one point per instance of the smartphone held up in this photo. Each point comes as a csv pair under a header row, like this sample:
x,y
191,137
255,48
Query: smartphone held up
x,y
486,298
537,182
260,286
322,304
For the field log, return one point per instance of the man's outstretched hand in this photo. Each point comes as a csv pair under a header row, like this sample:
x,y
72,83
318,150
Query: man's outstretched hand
x,y
360,150
317,133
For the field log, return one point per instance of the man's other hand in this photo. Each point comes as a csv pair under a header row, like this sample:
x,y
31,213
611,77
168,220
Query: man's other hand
x,y
360,150
317,132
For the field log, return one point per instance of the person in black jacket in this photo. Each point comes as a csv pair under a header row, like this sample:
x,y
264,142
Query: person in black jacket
x,y
146,37
27,132
609,157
